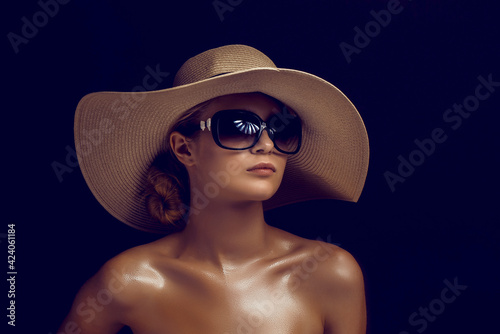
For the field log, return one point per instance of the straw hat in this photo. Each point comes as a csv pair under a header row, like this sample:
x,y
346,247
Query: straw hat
x,y
119,134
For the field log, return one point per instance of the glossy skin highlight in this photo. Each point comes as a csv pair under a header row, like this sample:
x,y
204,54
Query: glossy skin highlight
x,y
227,271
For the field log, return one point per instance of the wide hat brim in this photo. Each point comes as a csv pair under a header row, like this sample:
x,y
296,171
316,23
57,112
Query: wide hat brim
x,y
119,134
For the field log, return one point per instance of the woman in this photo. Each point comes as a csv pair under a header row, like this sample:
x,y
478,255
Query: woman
x,y
203,160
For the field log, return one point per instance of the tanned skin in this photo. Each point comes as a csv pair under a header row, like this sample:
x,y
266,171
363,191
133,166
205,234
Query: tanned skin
x,y
228,271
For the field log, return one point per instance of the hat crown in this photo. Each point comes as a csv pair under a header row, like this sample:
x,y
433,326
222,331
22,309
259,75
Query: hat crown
x,y
222,60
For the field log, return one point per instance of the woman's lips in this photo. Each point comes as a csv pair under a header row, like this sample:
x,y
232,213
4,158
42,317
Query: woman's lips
x,y
263,169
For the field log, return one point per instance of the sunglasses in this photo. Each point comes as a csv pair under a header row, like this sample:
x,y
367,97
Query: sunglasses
x,y
237,129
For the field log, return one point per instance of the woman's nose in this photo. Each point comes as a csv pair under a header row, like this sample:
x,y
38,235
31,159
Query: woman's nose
x,y
264,145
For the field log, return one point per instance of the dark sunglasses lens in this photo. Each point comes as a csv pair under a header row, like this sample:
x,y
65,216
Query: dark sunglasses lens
x,y
287,133
237,130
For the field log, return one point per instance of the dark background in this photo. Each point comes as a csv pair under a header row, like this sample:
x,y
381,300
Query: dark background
x,y
440,224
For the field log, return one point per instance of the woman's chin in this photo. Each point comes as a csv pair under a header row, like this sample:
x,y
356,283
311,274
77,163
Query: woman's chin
x,y
252,194
261,196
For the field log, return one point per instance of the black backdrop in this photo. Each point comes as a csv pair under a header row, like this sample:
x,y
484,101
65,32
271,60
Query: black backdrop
x,y
403,64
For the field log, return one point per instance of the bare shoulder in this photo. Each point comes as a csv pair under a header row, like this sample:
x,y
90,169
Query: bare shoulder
x,y
122,282
133,273
329,255
338,265
327,267
332,279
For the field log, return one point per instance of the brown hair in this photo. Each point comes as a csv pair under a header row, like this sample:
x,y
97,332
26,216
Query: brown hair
x,y
167,191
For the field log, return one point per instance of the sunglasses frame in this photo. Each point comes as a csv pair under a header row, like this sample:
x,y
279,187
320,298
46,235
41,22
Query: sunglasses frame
x,y
262,126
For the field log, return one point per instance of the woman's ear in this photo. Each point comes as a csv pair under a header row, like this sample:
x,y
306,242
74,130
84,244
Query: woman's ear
x,y
181,147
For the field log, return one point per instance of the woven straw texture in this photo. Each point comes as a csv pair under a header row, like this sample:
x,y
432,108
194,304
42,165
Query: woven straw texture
x,y
119,134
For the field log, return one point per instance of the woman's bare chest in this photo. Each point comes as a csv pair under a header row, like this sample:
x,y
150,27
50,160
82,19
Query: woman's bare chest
x,y
238,304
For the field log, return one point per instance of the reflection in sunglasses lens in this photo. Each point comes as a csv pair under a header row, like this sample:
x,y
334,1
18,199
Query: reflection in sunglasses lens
x,y
240,129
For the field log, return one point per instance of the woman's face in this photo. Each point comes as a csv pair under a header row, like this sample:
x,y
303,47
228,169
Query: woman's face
x,y
219,174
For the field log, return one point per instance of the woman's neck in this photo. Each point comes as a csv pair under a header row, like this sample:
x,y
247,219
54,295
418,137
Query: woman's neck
x,y
227,234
